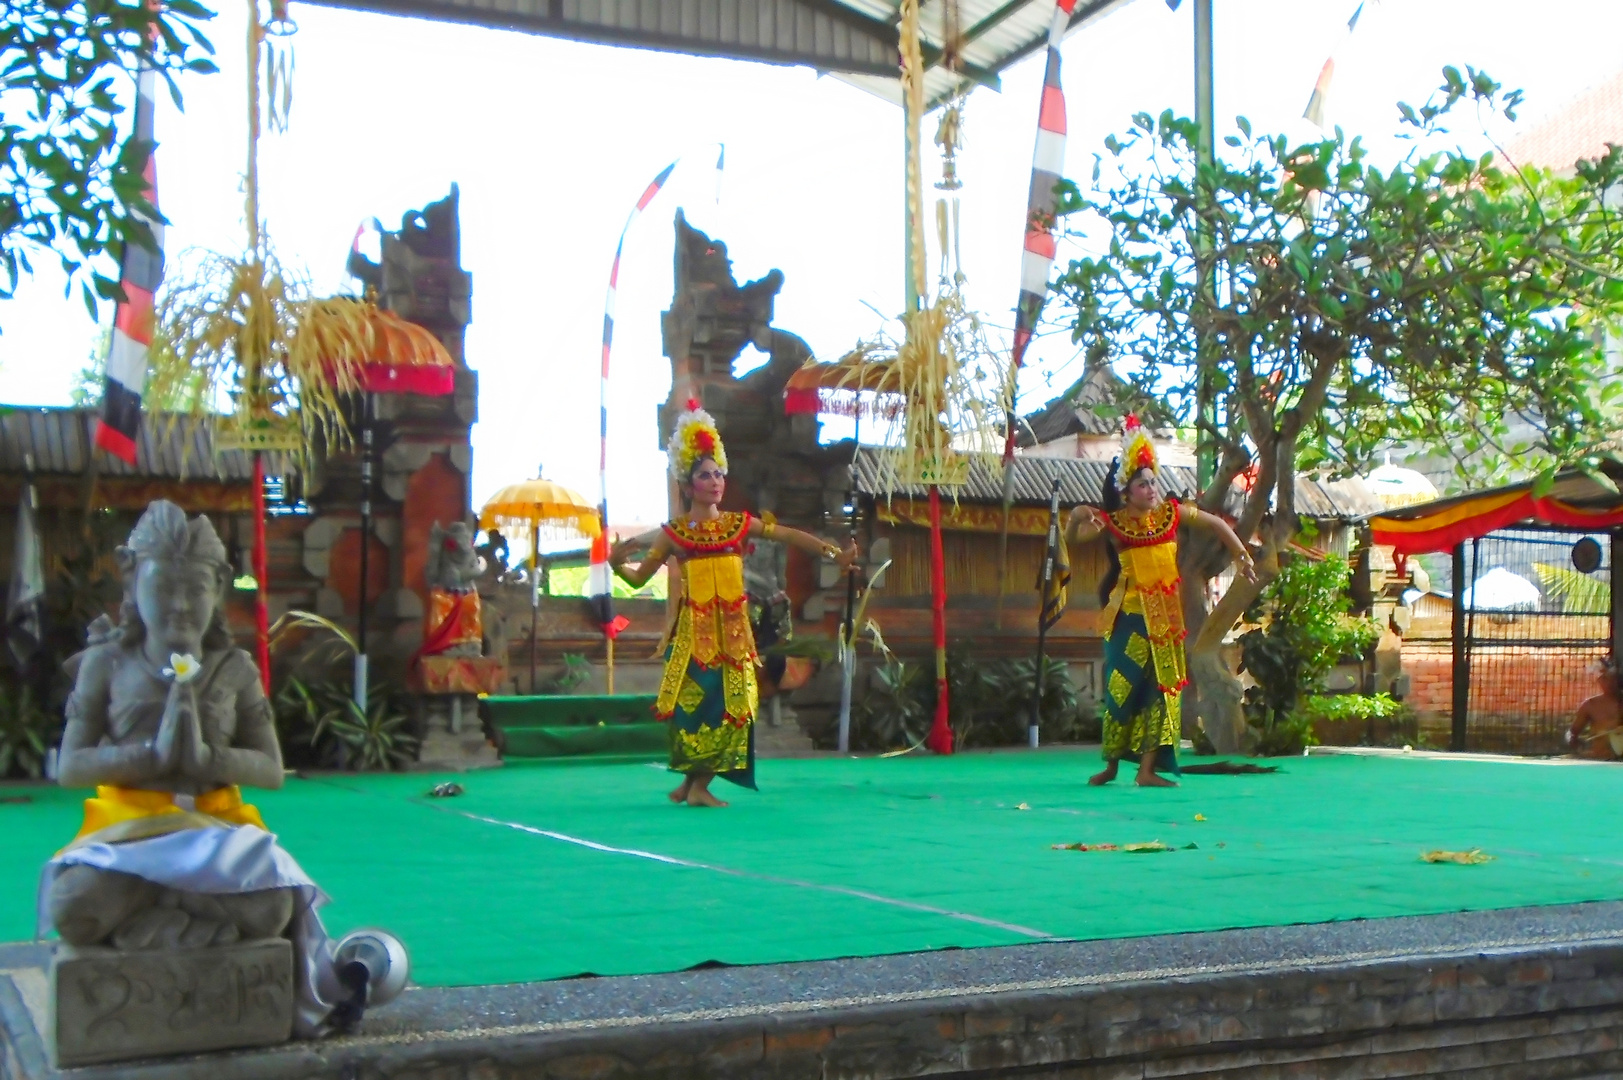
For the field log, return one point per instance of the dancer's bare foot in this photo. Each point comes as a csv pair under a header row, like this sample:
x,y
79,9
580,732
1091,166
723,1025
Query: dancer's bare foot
x,y
679,794
1146,774
700,796
1101,778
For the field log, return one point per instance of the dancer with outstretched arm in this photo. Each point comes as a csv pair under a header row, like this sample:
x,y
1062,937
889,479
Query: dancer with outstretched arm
x,y
1145,669
709,691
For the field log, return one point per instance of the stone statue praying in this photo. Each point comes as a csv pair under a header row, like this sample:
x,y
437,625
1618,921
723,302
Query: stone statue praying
x,y
167,719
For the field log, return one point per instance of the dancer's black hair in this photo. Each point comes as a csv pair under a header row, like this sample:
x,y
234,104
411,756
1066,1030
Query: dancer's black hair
x,y
1110,503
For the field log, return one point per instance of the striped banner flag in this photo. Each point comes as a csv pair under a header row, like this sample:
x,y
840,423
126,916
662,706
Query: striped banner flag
x,y
1314,113
600,578
140,272
1047,161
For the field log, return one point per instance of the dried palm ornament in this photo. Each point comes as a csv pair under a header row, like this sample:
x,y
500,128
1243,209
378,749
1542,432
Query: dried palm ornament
x,y
243,329
934,386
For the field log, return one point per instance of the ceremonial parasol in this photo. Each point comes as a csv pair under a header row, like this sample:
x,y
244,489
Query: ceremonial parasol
x,y
540,507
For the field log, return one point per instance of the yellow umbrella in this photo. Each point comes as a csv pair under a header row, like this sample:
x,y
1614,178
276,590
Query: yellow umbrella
x,y
535,508
541,508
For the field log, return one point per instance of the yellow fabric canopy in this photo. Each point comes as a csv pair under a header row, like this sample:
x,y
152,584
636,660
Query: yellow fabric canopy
x,y
541,508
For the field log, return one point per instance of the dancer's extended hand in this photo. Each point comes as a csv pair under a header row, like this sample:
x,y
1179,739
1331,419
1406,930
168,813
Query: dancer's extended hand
x,y
1246,566
847,556
1091,516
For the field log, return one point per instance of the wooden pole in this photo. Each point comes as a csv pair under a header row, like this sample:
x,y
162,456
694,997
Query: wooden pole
x,y
1040,668
848,635
535,594
1206,453
1462,660
261,576
1617,600
940,739
361,673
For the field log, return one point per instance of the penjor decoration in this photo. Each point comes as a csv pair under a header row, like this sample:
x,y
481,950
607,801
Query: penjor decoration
x,y
599,582
934,382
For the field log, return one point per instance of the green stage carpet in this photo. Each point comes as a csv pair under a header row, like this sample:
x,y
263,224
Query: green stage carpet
x,y
587,868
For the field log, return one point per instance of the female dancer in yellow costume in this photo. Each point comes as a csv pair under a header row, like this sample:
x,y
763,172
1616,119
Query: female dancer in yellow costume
x,y
1145,671
708,692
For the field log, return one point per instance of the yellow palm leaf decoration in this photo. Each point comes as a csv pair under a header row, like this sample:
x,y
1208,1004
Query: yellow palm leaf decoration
x,y
242,329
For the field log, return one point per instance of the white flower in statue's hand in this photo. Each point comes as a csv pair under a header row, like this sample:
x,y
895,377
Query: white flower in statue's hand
x,y
183,667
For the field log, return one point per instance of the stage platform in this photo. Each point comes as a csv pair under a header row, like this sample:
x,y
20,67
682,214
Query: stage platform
x,y
903,916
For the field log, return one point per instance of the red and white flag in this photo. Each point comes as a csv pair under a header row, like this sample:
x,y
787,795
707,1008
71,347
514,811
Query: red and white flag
x,y
140,272
1047,163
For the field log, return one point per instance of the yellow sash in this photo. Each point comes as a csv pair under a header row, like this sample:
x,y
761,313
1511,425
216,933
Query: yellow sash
x,y
113,805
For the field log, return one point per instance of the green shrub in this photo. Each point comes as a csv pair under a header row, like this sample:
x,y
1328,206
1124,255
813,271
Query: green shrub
x,y
1379,719
26,730
319,724
576,670
1303,629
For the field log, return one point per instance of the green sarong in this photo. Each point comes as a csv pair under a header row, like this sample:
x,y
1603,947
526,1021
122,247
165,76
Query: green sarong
x,y
701,738
1136,718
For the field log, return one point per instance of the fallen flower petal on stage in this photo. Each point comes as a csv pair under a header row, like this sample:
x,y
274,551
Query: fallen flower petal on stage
x,y
1153,845
1085,847
1464,858
1200,817
1023,806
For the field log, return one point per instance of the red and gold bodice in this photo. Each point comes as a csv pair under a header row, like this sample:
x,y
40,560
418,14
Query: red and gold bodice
x,y
712,622
1149,585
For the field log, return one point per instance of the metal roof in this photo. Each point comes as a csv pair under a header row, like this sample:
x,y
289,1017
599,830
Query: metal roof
x,y
854,39
1083,481
171,447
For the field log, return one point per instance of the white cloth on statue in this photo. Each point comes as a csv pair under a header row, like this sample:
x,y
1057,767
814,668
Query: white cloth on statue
x,y
224,861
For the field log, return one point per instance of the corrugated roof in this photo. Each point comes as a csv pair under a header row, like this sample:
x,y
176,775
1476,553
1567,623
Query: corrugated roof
x,y
854,39
167,447
1084,482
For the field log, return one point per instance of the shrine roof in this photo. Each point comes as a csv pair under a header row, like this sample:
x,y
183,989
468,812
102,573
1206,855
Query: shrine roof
x,y
168,446
855,40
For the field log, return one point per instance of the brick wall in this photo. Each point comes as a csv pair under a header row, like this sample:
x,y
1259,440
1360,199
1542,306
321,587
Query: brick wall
x,y
1521,698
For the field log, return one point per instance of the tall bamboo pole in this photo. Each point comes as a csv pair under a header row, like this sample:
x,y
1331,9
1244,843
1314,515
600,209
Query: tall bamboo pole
x,y
940,739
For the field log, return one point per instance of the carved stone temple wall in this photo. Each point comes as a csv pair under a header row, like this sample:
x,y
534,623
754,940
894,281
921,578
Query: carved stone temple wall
x,y
422,458
775,462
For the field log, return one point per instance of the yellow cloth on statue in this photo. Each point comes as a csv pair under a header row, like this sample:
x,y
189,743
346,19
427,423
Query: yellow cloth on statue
x,y
114,805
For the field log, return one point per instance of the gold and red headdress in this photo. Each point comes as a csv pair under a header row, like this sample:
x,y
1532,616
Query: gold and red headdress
x,y
694,437
1137,452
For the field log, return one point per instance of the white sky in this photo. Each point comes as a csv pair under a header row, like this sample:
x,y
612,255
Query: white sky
x,y
552,141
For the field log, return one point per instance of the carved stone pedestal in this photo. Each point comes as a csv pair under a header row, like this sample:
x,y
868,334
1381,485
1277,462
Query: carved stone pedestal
x,y
109,1005
453,737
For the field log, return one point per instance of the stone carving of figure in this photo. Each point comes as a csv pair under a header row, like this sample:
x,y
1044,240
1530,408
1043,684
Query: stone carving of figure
x,y
454,619
167,719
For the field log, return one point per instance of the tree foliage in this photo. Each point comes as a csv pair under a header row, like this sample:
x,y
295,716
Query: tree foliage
x,y
1334,308
1303,627
70,180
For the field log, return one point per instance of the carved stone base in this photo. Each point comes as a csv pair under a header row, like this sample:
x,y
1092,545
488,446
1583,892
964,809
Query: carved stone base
x,y
113,1006
454,738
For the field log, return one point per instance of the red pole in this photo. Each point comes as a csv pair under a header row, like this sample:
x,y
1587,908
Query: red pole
x,y
940,739
261,610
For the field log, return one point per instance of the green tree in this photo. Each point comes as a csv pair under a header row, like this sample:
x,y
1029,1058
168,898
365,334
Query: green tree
x,y
70,182
1303,627
1330,308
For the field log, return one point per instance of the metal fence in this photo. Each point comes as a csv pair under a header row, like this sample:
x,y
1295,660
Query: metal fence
x,y
1535,626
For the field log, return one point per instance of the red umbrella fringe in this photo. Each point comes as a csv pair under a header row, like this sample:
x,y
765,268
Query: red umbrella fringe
x,y
849,403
